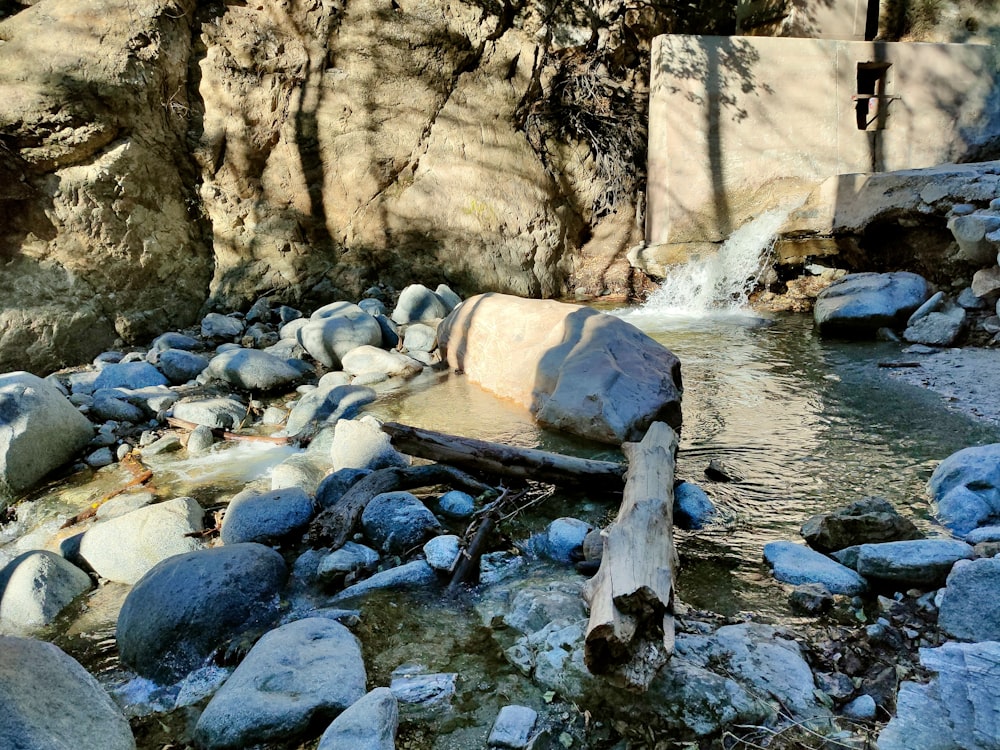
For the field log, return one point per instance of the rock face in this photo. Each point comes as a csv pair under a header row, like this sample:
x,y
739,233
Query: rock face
x,y
39,431
574,368
860,303
47,700
318,148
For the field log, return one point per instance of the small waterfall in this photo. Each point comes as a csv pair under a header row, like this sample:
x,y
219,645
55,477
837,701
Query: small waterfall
x,y
722,282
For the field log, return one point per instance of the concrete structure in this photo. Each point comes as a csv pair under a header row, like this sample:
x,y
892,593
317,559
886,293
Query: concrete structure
x,y
742,124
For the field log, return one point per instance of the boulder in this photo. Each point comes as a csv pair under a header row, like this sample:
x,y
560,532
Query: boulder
x,y
349,558
335,330
109,405
49,702
299,470
795,564
39,431
330,404
869,520
441,552
423,695
223,413
361,444
420,338
456,504
368,724
415,574
512,728
366,360
35,587
939,328
397,521
301,675
966,488
857,305
956,709
266,517
131,375
693,508
574,368
418,303
448,296
564,538
190,605
969,607
920,562
180,365
174,340
218,326
123,549
333,487
253,370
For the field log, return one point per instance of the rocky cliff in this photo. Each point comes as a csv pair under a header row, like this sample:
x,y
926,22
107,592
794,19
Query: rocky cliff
x,y
163,157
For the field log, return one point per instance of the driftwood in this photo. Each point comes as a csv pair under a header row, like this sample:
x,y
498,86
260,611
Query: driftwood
x,y
631,630
334,526
503,460
225,435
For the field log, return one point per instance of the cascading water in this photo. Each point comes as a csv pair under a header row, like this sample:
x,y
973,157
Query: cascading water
x,y
722,282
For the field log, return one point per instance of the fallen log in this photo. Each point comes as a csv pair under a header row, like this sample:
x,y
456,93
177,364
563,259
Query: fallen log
x,y
501,460
630,634
334,525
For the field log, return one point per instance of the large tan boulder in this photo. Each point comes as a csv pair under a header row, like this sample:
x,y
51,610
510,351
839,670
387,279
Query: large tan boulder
x,y
575,368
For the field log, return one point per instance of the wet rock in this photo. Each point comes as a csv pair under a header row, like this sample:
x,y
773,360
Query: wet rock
x,y
416,574
397,522
349,558
47,700
298,470
266,517
124,548
456,504
575,368
169,443
189,605
180,366
329,404
222,413
333,487
966,488
793,563
564,538
122,504
361,444
130,375
535,606
869,520
956,709
218,326
513,728
693,509
371,360
969,606
420,693
368,724
442,551
252,370
921,562
860,303
39,431
200,439
301,674
336,329
418,303
35,587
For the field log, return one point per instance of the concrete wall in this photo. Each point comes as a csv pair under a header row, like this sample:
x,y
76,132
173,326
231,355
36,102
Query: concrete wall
x,y
741,124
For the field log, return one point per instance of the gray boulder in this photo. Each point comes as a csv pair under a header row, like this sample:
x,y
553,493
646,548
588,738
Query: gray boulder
x,y
190,605
693,508
418,303
302,674
336,329
957,709
180,365
223,413
870,520
327,404
450,298
397,521
415,574
49,702
35,587
371,360
795,564
564,537
920,562
966,488
420,337
252,370
575,369
333,487
349,558
513,727
441,552
456,504
39,431
970,608
122,504
218,326
857,305
361,444
110,405
423,694
369,724
125,548
939,328
300,470
174,340
266,517
130,375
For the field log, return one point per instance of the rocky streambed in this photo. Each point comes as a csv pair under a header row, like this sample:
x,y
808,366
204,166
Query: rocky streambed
x,y
211,585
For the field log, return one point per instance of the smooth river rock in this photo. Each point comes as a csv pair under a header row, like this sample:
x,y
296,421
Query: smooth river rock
x,y
35,587
857,305
266,517
253,370
869,520
49,702
966,488
369,724
575,369
920,562
796,564
334,330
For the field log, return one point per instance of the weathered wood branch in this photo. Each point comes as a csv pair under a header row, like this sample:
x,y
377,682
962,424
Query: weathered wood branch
x,y
501,460
334,525
631,630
